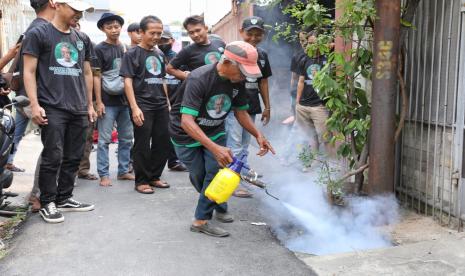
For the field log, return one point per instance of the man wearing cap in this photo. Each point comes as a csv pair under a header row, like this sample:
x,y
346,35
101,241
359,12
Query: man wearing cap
x,y
252,31
197,125
133,33
111,106
172,84
61,102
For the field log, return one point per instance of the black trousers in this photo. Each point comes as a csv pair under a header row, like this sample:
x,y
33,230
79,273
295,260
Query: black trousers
x,y
63,139
172,157
151,146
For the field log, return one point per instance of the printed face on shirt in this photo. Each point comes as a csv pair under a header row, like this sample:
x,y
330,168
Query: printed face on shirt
x,y
153,65
117,63
65,54
212,57
312,70
218,106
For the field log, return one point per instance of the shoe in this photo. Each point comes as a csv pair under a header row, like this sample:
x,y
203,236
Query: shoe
x,y
50,213
13,168
71,205
242,193
126,176
179,167
224,217
35,204
210,230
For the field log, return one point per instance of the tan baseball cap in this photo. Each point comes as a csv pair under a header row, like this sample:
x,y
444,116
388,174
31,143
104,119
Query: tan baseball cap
x,y
77,5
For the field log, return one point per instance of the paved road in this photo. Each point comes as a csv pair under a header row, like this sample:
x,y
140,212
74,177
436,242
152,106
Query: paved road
x,y
133,234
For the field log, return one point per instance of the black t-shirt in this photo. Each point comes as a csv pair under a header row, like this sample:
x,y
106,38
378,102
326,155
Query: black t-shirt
x,y
209,98
172,83
308,67
19,67
252,85
196,55
295,61
109,57
60,69
147,69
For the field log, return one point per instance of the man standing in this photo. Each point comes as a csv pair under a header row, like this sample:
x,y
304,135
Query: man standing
x,y
197,125
311,112
134,35
149,106
201,52
61,102
172,84
45,11
111,104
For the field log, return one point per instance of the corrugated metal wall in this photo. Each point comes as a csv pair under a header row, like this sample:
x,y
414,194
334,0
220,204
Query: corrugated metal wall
x,y
429,172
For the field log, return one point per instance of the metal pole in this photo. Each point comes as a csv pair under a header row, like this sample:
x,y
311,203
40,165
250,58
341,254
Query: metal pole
x,y
386,51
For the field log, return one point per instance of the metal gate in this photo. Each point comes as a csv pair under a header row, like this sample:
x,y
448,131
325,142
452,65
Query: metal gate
x,y
430,151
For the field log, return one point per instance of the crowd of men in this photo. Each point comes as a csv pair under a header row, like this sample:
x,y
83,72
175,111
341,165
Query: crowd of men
x,y
193,110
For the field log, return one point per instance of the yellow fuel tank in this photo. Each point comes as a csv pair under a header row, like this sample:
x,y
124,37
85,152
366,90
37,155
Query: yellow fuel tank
x,y
223,185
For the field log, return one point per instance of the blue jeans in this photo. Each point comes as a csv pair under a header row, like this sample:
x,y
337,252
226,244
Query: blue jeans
x,y
238,139
202,167
21,122
120,115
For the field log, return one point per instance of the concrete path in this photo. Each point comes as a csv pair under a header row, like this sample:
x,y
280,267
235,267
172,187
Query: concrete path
x,y
435,257
133,234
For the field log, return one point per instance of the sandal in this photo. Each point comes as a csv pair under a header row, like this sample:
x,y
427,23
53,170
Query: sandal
x,y
88,176
242,193
13,168
159,184
144,189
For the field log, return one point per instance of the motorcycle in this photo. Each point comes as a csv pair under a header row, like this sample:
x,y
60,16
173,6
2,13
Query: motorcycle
x,y
7,130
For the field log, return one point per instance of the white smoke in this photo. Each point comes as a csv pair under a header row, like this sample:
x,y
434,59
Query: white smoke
x,y
306,222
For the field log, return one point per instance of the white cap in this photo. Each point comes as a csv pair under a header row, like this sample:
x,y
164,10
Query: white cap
x,y
77,5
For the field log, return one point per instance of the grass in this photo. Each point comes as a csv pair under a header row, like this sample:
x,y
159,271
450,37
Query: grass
x,y
7,229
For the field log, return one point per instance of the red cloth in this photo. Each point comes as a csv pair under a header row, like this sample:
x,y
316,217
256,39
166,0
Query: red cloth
x,y
114,136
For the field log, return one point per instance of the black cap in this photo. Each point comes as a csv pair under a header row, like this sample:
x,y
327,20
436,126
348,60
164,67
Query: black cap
x,y
133,27
253,22
167,34
36,4
108,16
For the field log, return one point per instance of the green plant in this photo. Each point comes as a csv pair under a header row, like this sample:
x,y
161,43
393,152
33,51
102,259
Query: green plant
x,y
340,83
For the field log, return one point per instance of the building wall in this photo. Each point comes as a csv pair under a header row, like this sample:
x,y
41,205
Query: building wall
x,y
16,16
429,161
228,27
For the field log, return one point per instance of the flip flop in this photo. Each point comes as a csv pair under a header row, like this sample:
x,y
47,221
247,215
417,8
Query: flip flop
x,y
144,189
159,184
13,168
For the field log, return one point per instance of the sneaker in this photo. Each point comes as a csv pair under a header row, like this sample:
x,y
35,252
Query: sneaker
x,y
224,217
71,205
50,213
210,230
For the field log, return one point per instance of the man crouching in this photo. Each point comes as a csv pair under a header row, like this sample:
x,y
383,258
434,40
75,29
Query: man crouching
x,y
197,125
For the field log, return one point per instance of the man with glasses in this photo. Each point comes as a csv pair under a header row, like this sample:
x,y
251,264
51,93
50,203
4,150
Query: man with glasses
x,y
61,103
197,125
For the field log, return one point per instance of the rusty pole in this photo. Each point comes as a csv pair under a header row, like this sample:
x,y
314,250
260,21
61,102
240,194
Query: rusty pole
x,y
386,48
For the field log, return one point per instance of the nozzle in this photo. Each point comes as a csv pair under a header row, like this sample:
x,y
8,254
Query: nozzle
x,y
252,178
